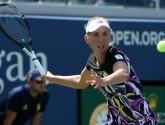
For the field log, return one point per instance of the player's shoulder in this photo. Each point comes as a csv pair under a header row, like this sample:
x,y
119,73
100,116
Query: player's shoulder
x,y
113,50
17,90
16,93
116,54
45,93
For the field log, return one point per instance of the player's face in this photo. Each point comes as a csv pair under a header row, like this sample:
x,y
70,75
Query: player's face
x,y
38,86
99,39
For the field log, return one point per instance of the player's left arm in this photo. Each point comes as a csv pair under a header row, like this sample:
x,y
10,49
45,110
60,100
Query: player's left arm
x,y
36,118
120,67
120,74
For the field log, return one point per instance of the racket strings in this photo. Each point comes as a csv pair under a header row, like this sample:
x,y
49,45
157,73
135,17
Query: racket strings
x,y
14,25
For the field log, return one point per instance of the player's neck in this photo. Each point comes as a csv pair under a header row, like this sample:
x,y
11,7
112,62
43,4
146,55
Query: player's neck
x,y
100,59
33,93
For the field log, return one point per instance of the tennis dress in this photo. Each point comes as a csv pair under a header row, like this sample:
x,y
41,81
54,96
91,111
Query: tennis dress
x,y
127,104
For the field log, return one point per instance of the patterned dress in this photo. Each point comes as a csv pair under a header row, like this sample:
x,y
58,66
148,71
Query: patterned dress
x,y
127,104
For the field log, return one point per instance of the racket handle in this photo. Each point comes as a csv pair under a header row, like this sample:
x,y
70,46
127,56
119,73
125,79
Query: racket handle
x,y
40,68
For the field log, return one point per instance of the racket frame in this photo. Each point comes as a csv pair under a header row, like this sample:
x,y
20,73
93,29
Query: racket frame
x,y
32,53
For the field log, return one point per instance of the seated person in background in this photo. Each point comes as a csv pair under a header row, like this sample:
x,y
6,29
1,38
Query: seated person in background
x,y
25,102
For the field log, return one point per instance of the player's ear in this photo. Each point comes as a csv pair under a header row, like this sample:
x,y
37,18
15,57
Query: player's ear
x,y
29,81
86,39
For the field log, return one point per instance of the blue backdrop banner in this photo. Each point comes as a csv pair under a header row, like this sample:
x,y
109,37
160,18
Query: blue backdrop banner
x,y
59,45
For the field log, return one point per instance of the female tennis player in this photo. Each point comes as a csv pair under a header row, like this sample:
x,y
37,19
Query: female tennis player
x,y
110,72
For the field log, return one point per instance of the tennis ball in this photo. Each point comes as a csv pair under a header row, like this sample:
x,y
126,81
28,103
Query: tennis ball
x,y
161,46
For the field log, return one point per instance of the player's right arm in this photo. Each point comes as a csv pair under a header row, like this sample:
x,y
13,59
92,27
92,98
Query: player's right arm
x,y
73,81
9,118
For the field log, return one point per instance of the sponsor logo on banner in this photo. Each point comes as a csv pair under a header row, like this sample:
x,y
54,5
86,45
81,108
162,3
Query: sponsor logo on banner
x,y
132,38
14,63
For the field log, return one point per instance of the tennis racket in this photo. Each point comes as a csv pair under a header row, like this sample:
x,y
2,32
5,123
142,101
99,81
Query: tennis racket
x,y
15,27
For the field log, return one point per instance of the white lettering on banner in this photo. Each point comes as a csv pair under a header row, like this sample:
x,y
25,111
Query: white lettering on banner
x,y
17,66
2,54
131,38
119,36
135,37
126,38
1,85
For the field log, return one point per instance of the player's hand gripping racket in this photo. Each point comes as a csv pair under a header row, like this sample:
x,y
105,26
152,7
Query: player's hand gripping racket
x,y
14,25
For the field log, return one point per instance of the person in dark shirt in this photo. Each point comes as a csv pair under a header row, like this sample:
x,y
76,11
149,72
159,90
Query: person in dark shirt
x,y
25,102
110,71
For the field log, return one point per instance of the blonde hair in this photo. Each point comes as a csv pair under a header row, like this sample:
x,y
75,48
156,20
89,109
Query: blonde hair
x,y
94,18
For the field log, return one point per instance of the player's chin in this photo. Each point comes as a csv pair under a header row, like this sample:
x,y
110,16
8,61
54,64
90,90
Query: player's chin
x,y
40,91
